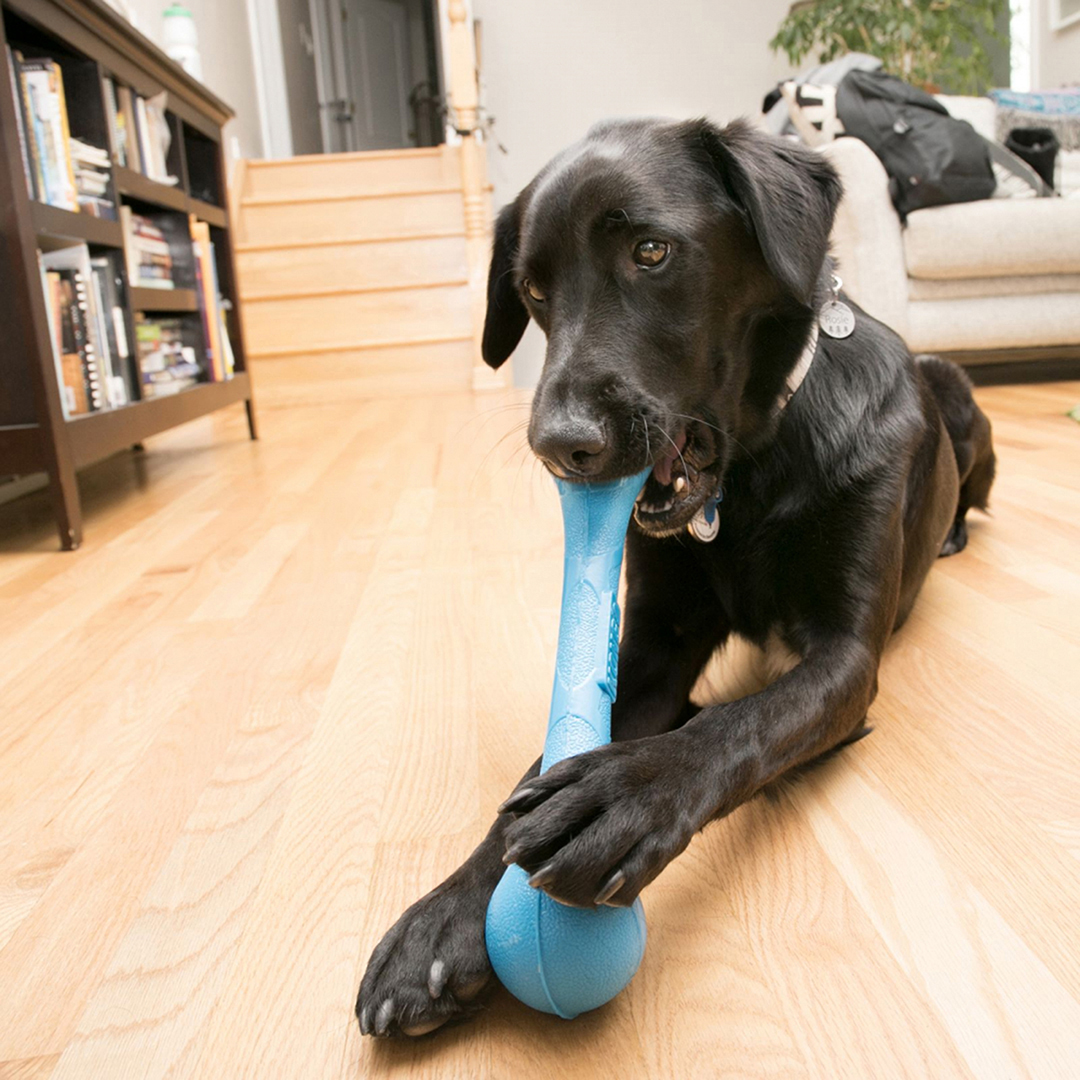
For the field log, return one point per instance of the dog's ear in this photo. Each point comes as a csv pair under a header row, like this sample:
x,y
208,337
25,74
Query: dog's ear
x,y
506,317
788,192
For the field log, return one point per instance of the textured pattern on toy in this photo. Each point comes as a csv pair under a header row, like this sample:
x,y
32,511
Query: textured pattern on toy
x,y
555,958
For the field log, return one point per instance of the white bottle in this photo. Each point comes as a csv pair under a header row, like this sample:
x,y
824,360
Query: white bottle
x,y
182,39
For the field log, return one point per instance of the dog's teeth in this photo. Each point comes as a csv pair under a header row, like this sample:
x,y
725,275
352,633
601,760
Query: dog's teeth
x,y
680,483
667,506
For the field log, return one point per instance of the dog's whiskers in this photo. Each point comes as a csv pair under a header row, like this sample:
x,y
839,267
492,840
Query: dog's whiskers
x,y
686,471
648,448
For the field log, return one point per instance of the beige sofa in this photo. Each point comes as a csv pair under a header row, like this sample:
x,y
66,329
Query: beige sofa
x,y
989,281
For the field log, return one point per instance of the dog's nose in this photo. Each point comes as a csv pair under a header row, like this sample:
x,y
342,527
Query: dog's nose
x,y
572,445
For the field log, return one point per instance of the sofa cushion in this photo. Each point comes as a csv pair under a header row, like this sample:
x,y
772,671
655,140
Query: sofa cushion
x,y
993,238
993,322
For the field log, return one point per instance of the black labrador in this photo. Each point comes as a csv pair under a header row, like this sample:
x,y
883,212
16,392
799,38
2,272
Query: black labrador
x,y
679,272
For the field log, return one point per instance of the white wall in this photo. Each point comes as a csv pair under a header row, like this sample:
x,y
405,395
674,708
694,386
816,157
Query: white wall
x,y
225,48
1057,56
553,68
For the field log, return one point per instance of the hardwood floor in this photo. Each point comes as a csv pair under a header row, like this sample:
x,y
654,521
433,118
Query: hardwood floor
x,y
279,691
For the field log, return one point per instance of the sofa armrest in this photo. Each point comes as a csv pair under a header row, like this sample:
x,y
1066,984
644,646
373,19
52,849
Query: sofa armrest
x,y
866,236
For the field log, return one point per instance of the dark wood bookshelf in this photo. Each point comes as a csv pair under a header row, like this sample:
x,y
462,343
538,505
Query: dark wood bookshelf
x,y
51,223
91,42
148,299
97,435
136,186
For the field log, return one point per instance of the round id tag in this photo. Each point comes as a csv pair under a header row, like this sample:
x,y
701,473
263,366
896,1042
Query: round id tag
x,y
705,524
836,319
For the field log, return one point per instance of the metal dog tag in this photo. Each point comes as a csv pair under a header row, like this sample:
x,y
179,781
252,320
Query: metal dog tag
x,y
836,319
705,524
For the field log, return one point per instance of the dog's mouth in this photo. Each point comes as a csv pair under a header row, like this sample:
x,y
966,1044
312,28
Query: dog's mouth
x,y
676,489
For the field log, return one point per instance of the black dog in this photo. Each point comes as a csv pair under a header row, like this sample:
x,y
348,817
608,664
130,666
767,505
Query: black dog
x,y
678,271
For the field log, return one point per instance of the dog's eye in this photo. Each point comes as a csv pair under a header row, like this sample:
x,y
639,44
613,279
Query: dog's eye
x,y
651,253
533,291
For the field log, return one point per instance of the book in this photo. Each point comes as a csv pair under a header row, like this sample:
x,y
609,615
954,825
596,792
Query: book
x,y
208,301
72,375
20,122
109,288
44,87
125,121
148,251
92,179
87,321
142,135
112,115
167,364
69,376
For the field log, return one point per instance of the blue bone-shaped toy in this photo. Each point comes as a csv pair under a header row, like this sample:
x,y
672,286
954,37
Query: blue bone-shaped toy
x,y
556,958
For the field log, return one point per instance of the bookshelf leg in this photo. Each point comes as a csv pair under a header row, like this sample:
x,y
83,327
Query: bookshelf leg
x,y
64,489
253,428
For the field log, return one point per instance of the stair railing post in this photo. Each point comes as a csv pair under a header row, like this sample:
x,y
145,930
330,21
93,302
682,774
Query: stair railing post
x,y
464,102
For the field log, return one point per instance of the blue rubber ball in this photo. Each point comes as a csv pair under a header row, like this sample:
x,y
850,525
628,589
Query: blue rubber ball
x,y
558,959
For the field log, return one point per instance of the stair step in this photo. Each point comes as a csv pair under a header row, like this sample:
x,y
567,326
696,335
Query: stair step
x,y
376,171
389,263
313,378
392,215
352,320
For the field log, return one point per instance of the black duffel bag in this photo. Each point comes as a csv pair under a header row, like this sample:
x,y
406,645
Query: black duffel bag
x,y
931,158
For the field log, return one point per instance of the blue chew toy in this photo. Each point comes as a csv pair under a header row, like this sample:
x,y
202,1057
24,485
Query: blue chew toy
x,y
556,958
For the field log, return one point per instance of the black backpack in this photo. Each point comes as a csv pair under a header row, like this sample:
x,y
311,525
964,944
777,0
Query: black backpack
x,y
930,157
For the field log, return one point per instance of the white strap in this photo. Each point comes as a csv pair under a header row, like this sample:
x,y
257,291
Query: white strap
x,y
798,372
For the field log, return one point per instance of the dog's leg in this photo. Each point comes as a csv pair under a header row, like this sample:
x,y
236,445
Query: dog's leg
x,y
602,825
432,963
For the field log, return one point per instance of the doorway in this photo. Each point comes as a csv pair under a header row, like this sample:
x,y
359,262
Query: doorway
x,y
377,74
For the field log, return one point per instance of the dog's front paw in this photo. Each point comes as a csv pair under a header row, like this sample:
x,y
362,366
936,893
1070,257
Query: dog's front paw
x,y
431,964
597,828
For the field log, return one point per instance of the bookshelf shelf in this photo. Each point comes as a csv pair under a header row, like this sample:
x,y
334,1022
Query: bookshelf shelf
x,y
136,186
95,50
97,435
149,299
52,223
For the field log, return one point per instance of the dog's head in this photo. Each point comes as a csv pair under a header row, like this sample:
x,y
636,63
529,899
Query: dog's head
x,y
675,269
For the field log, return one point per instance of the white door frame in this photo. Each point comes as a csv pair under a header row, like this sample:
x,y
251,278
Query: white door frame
x,y
264,23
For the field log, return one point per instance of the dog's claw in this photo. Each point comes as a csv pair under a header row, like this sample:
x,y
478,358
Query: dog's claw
x,y
610,887
365,1020
437,977
519,796
384,1016
542,876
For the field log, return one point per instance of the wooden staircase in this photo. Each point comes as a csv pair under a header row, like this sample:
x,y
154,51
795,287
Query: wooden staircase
x,y
354,273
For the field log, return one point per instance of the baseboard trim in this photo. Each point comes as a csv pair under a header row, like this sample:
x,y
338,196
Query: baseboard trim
x,y
988,367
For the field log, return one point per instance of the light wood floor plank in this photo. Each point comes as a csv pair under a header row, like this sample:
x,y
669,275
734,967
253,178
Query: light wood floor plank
x,y
278,693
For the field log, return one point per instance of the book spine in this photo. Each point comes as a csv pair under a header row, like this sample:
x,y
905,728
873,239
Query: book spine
x,y
141,128
65,140
127,117
224,345
206,311
45,84
37,131
20,121
50,284
80,316
71,373
111,391
112,111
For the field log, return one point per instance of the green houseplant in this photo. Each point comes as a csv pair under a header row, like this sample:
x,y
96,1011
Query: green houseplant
x,y
933,44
